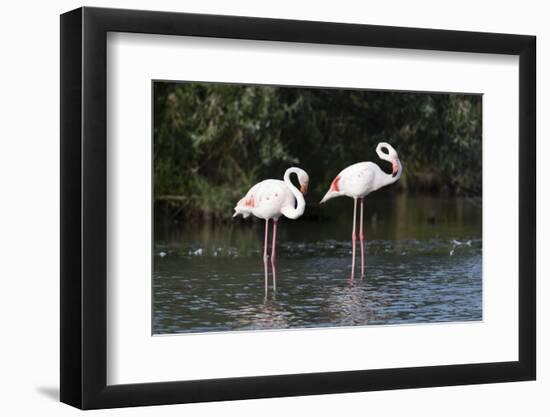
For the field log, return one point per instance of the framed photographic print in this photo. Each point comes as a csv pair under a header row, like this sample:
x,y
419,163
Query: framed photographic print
x,y
256,207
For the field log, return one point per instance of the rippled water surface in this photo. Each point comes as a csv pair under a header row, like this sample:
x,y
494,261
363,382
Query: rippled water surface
x,y
423,264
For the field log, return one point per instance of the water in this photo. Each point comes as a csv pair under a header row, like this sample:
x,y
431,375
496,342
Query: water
x,y
423,265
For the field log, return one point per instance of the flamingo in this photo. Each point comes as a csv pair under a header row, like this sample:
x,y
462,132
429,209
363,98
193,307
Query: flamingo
x,y
268,200
359,180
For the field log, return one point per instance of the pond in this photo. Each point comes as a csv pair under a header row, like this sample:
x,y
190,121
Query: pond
x,y
423,265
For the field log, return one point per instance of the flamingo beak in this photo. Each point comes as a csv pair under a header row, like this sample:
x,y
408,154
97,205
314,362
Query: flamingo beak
x,y
303,188
395,167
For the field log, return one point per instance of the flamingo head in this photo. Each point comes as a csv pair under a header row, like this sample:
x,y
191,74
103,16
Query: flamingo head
x,y
386,152
395,167
303,179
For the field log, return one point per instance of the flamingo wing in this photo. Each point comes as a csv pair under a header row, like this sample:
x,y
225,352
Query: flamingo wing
x,y
264,200
355,181
358,180
247,203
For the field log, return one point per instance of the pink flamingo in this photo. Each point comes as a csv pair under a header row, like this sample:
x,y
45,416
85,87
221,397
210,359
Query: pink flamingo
x,y
359,180
270,199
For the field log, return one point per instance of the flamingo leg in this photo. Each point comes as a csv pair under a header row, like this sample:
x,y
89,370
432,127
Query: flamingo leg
x,y
273,255
265,254
353,239
362,238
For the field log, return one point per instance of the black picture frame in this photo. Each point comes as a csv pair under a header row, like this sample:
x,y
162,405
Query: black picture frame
x,y
84,207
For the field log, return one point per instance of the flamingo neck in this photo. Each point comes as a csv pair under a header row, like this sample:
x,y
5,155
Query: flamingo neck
x,y
293,212
388,179
386,152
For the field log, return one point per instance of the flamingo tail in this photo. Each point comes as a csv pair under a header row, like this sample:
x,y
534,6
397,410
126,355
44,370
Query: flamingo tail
x,y
333,191
242,210
330,194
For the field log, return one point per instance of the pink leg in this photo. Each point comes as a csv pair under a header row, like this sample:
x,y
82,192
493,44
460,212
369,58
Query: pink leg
x,y
353,239
273,255
362,238
265,254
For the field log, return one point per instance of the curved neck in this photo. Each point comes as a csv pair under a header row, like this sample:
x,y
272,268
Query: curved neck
x,y
389,155
294,212
396,167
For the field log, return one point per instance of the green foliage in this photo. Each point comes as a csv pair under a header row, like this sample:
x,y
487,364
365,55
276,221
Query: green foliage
x,y
212,142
